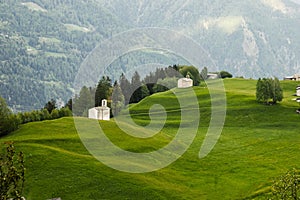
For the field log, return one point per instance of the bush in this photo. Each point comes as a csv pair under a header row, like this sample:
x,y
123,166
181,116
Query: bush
x,y
12,172
65,112
8,121
46,114
54,114
224,74
287,186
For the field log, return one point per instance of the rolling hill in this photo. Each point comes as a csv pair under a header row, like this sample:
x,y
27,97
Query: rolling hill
x,y
258,143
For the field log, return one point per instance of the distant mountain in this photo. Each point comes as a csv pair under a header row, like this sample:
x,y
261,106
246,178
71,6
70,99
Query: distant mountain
x,y
44,42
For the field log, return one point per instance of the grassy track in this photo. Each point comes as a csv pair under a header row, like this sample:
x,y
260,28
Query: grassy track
x,y
257,144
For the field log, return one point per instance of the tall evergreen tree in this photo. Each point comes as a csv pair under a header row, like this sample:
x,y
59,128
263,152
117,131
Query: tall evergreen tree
x,y
102,90
277,94
83,102
117,99
126,88
69,104
144,92
204,73
50,105
135,87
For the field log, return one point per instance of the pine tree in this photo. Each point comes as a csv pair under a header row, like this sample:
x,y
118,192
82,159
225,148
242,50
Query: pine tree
x,y
204,73
83,102
144,92
276,92
102,90
50,105
126,88
140,90
117,99
135,86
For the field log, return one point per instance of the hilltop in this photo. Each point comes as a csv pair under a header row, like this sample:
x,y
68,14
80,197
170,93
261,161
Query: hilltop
x,y
258,143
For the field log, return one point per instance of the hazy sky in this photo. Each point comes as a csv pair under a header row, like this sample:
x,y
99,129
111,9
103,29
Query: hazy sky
x,y
296,1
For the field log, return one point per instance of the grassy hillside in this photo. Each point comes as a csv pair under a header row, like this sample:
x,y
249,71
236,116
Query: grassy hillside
x,y
257,144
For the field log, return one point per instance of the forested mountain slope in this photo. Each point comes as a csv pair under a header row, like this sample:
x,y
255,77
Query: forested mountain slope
x,y
44,42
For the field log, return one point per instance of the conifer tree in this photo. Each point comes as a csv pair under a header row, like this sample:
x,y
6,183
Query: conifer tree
x,y
126,88
102,90
117,99
83,102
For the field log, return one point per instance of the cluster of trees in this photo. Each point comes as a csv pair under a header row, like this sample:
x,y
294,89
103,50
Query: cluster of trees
x,y
124,92
268,91
10,122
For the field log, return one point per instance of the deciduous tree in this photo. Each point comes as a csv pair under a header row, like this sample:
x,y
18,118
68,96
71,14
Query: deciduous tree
x,y
268,89
8,121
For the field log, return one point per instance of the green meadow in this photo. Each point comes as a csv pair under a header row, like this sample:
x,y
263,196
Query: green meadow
x,y
258,143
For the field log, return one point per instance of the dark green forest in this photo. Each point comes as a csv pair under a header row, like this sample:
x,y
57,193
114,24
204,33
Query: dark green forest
x,y
43,47
42,50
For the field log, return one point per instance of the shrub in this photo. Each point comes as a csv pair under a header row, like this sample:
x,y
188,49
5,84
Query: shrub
x,y
287,186
46,114
12,172
54,114
225,74
65,112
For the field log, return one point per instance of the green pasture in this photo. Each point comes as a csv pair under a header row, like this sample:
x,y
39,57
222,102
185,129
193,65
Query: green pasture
x,y
258,143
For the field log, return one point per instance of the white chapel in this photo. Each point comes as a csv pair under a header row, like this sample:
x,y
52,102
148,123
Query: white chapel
x,y
100,113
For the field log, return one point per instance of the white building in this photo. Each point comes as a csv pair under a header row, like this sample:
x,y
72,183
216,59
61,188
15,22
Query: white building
x,y
295,77
212,76
298,91
100,113
185,82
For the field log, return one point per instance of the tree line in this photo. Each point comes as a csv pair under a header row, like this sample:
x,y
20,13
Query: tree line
x,y
10,122
124,92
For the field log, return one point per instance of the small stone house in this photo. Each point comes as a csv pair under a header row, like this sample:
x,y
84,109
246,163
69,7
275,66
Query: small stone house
x,y
100,113
185,82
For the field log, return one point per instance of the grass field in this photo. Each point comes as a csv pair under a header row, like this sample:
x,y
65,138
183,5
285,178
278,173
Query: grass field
x,y
258,143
